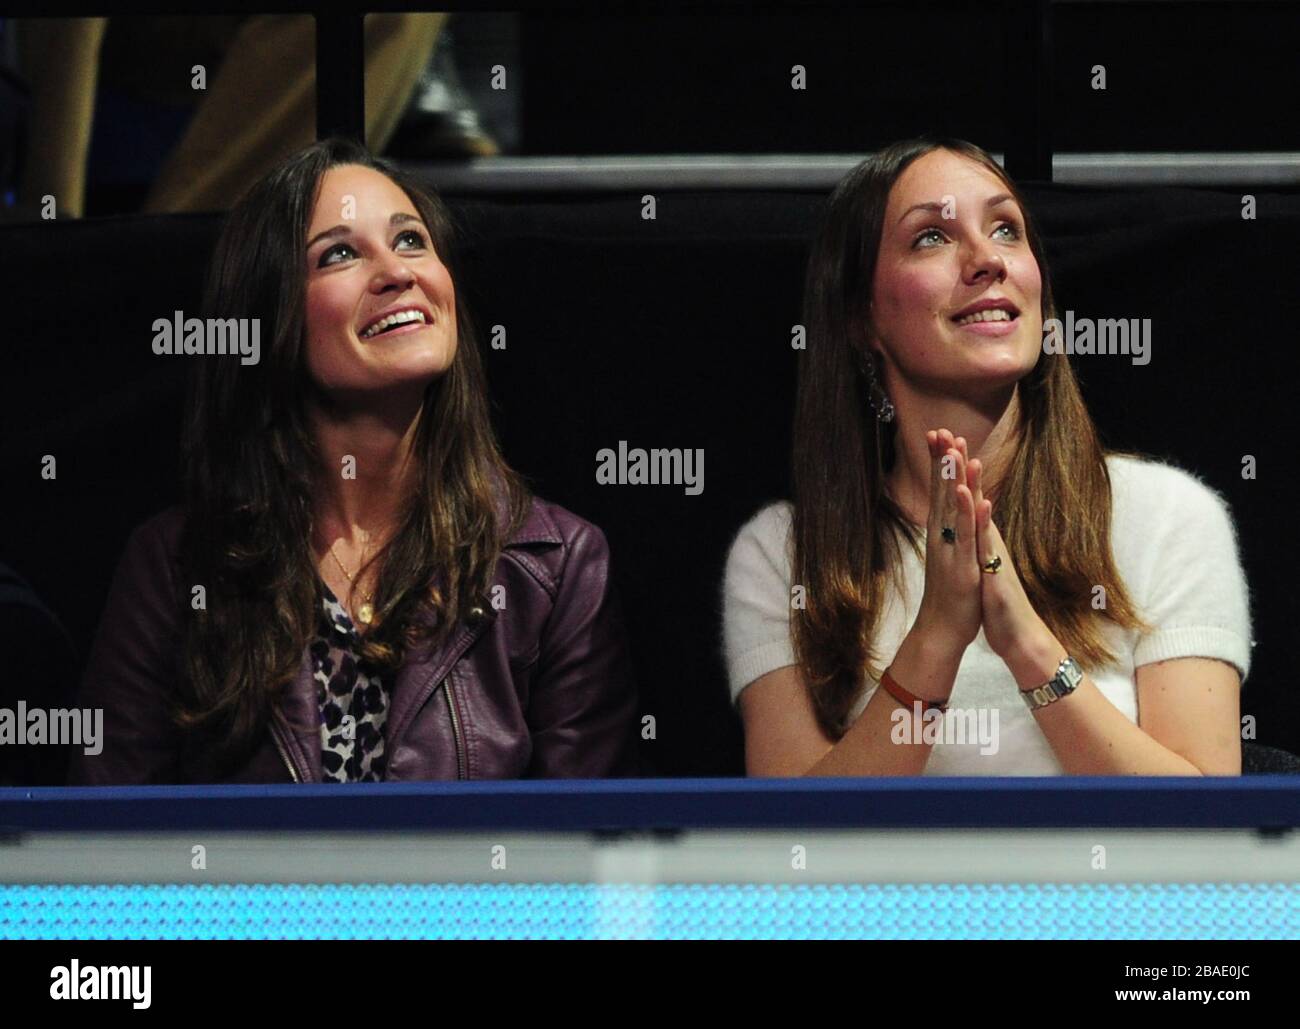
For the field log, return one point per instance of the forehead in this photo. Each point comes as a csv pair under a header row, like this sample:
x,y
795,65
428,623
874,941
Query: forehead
x,y
940,173
374,195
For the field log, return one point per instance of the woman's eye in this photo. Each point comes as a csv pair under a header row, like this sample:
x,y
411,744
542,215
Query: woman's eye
x,y
1010,227
325,257
413,235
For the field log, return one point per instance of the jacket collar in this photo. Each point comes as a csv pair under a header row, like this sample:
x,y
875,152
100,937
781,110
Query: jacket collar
x,y
419,675
537,527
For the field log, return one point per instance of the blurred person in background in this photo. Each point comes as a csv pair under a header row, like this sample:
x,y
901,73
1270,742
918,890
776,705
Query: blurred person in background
x,y
256,104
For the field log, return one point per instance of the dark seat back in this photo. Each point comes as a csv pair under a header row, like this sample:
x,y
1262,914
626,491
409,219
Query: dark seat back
x,y
669,333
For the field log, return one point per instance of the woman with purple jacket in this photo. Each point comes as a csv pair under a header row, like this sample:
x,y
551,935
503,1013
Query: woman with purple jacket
x,y
358,587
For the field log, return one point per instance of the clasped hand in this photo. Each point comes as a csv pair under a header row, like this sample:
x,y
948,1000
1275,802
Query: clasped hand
x,y
960,598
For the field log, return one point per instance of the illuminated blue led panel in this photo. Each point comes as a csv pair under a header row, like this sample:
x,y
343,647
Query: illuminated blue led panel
x,y
673,911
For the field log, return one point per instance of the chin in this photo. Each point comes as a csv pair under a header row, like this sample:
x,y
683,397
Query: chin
x,y
415,378
429,362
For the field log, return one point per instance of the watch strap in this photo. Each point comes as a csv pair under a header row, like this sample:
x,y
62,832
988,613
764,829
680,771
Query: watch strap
x,y
1062,684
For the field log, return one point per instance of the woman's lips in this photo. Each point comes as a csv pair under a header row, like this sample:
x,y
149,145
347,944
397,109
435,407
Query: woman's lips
x,y
991,328
399,331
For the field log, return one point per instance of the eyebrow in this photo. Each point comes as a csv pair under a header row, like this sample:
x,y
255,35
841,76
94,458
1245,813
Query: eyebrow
x,y
401,218
1001,198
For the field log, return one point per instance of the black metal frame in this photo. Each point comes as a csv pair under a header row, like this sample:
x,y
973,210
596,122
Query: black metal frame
x,y
1027,49
341,95
340,39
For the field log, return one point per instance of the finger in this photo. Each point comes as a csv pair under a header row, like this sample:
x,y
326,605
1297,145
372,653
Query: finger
x,y
970,522
981,538
953,507
936,481
965,523
935,442
988,542
974,480
941,447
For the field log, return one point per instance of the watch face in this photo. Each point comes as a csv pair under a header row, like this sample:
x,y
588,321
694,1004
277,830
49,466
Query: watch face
x,y
1071,672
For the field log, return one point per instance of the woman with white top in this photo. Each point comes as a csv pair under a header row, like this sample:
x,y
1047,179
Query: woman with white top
x,y
966,581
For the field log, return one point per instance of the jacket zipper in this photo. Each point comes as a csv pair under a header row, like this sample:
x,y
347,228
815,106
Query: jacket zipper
x,y
458,736
283,753
455,725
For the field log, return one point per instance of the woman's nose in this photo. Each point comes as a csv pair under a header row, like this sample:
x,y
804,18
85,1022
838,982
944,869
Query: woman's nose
x,y
983,259
394,271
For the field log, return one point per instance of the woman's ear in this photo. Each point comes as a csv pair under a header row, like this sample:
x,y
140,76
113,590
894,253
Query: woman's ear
x,y
867,359
866,345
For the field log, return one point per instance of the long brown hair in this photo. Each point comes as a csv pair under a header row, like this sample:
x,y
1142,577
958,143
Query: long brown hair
x,y
251,469
1053,506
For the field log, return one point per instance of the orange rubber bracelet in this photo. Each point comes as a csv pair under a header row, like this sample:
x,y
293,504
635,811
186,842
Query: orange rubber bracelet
x,y
907,699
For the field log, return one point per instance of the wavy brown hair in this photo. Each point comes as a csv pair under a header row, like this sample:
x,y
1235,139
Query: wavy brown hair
x,y
252,473
1053,505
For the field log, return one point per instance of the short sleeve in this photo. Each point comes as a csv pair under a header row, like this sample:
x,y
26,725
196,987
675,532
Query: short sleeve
x,y
757,598
1198,598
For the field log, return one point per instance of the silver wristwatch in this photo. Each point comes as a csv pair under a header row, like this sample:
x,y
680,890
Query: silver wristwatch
x,y
1063,683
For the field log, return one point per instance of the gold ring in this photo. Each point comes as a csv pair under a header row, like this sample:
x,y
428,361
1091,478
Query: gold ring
x,y
992,566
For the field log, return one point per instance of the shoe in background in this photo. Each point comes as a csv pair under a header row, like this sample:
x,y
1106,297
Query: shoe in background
x,y
441,121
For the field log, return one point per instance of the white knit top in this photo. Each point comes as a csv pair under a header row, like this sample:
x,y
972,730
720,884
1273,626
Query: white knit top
x,y
1176,549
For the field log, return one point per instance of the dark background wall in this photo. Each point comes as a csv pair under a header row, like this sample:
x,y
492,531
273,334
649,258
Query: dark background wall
x,y
1179,76
673,333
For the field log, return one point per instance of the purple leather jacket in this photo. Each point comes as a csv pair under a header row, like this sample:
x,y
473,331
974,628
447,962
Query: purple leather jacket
x,y
541,688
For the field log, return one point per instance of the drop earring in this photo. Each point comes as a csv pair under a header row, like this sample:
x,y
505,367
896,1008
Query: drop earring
x,y
876,396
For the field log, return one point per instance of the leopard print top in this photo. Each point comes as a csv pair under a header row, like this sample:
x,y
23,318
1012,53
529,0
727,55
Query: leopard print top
x,y
353,700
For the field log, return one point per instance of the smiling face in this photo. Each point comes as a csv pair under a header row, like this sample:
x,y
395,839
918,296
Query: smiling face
x,y
369,254
931,269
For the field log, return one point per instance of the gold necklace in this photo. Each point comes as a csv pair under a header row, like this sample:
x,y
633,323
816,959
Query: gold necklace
x,y
366,612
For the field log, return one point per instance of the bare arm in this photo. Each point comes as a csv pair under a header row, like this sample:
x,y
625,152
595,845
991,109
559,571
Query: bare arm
x,y
1188,708
1188,718
782,737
